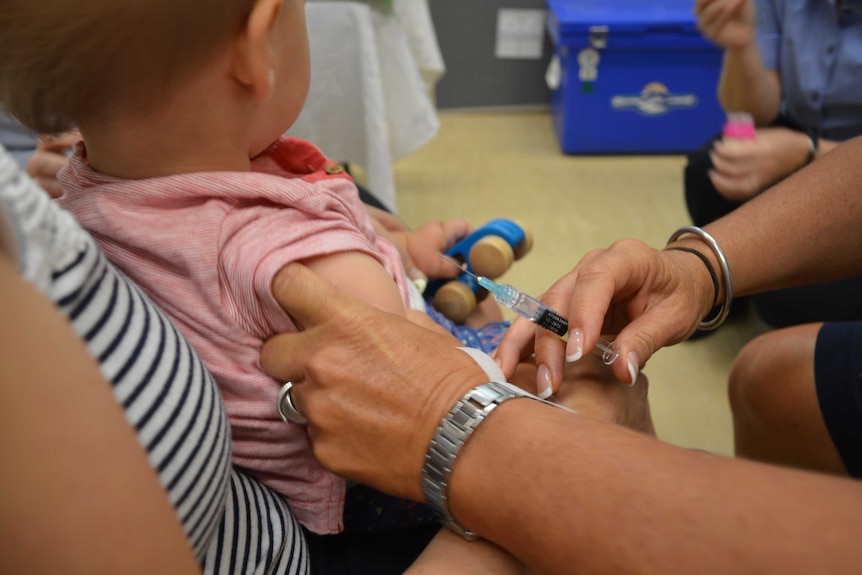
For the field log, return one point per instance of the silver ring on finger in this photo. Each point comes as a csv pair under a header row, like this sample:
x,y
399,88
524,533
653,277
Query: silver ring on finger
x,y
287,409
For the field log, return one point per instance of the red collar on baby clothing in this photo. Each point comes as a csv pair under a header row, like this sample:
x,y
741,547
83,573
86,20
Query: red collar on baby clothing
x,y
298,157
290,155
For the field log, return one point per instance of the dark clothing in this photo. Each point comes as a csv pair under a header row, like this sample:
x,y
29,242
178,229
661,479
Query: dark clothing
x,y
368,553
838,378
370,199
383,535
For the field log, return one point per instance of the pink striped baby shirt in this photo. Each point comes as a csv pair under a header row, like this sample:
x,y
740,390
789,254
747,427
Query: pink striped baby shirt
x,y
205,248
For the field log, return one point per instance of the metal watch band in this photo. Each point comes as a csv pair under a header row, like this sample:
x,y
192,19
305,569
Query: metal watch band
x,y
453,432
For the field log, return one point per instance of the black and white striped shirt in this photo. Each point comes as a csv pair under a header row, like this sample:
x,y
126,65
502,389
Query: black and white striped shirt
x,y
234,524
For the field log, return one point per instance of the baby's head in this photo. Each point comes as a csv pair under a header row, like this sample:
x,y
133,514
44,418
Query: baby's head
x,y
65,62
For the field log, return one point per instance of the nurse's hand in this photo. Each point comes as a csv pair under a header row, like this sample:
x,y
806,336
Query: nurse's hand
x,y
374,386
648,298
728,23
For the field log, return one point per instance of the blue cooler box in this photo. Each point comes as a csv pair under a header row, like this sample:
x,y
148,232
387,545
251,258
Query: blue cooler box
x,y
632,77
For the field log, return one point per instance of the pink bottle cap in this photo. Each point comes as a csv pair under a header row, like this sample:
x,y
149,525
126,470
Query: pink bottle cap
x,y
739,125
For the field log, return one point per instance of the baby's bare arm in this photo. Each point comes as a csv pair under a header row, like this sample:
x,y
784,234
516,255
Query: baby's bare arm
x,y
364,278
361,276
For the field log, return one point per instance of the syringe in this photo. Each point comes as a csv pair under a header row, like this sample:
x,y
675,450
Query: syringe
x,y
529,307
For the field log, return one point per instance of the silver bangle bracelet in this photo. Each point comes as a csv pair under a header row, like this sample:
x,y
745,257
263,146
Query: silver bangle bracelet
x,y
726,278
813,146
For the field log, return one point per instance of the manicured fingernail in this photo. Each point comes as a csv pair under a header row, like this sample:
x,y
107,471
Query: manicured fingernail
x,y
575,347
634,366
543,382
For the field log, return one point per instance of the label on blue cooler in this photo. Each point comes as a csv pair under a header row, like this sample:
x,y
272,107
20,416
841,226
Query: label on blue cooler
x,y
654,100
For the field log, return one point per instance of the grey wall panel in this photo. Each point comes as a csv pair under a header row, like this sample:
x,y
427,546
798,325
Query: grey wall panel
x,y
475,78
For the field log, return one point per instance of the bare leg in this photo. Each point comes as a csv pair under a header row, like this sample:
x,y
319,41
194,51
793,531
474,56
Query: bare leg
x,y
776,414
448,554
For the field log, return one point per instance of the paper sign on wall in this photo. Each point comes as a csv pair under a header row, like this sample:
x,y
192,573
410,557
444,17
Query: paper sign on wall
x,y
520,34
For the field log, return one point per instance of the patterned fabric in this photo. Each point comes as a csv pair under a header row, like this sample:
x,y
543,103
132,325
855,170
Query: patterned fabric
x,y
234,524
487,338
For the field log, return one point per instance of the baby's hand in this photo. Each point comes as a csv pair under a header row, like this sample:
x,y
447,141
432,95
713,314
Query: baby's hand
x,y
432,239
420,250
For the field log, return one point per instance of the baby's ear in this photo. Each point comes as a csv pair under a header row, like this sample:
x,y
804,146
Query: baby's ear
x,y
253,67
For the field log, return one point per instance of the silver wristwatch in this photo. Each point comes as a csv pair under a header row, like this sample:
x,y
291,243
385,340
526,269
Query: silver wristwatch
x,y
450,437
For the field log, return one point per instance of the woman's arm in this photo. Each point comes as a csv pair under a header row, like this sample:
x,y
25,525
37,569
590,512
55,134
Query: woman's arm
x,y
745,85
565,494
561,492
77,494
805,229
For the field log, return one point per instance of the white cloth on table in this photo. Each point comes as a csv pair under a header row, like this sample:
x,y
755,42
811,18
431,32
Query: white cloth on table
x,y
371,73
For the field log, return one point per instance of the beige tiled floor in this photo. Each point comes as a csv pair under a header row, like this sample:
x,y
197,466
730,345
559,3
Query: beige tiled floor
x,y
482,166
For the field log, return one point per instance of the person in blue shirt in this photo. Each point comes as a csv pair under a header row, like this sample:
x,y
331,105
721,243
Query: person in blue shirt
x,y
793,65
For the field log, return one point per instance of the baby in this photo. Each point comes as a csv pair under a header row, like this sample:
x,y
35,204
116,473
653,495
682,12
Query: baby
x,y
186,181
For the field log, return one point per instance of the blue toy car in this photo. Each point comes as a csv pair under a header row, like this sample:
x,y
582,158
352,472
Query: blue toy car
x,y
489,251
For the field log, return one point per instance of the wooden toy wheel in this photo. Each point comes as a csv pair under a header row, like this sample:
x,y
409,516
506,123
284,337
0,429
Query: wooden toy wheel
x,y
525,245
491,257
455,300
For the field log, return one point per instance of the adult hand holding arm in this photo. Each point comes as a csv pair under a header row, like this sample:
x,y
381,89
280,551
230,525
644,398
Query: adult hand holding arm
x,y
342,338
561,492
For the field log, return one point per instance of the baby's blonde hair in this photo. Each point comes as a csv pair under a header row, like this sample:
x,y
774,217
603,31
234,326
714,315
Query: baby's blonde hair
x,y
64,62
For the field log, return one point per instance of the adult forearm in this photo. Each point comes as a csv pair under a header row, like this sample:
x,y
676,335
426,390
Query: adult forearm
x,y
807,228
569,495
746,86
75,476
